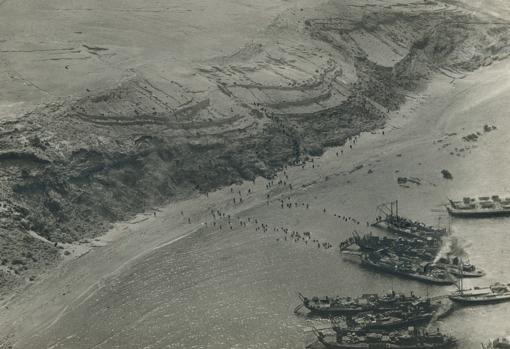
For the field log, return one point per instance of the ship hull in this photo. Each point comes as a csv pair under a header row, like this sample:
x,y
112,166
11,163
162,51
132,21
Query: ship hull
x,y
418,277
477,213
480,300
337,311
400,324
416,234
466,274
385,346
336,345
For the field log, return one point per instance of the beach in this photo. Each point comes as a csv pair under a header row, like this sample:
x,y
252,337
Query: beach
x,y
163,281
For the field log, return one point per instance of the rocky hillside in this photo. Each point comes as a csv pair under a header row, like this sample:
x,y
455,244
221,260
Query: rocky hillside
x,y
310,80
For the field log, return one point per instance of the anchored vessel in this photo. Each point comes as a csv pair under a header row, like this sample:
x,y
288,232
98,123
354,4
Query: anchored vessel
x,y
411,339
404,226
459,269
346,305
415,250
496,293
423,248
389,320
407,227
481,207
425,272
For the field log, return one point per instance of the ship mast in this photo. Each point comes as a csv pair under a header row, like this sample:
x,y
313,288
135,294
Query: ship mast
x,y
461,280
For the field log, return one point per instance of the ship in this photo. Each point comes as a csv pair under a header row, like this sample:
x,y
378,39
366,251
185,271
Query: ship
x,y
389,320
416,250
327,306
389,218
425,272
459,269
414,247
459,272
411,339
406,227
481,207
496,293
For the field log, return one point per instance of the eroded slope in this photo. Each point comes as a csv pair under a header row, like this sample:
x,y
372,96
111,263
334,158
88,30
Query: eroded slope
x,y
312,79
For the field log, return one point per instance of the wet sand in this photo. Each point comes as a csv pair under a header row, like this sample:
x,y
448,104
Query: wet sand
x,y
172,281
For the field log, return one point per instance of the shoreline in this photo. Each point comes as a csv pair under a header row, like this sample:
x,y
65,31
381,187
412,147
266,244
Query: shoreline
x,y
38,303
73,282
118,235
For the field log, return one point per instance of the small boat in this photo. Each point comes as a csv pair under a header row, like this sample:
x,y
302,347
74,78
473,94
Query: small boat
x,y
481,207
496,293
425,272
411,339
327,306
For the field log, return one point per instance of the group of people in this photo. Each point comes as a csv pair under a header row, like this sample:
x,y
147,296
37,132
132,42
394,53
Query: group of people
x,y
278,190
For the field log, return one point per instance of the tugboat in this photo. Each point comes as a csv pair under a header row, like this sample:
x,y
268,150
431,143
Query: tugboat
x,y
459,269
496,293
426,249
415,250
327,306
481,207
425,272
412,339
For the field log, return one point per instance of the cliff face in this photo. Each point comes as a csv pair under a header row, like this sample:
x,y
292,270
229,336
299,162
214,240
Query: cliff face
x,y
312,79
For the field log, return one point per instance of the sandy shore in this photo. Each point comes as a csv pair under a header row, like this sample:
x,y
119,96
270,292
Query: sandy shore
x,y
413,145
